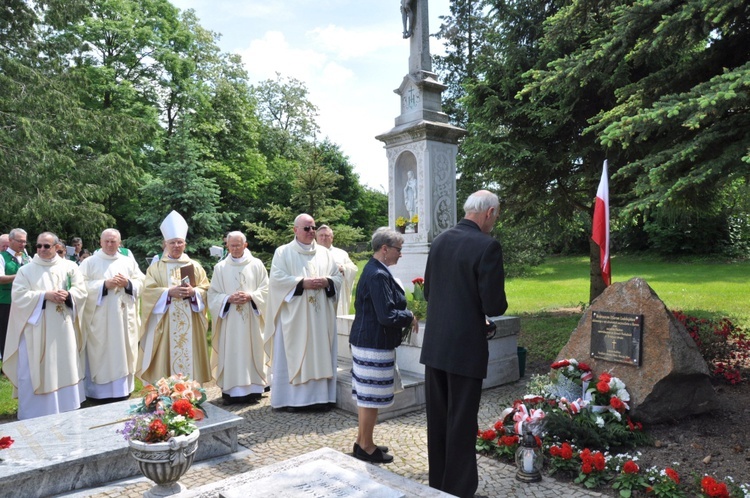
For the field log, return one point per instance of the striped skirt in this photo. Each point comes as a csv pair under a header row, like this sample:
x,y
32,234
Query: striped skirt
x,y
372,377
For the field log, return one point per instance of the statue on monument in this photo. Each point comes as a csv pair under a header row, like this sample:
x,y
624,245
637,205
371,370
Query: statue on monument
x,y
410,194
407,17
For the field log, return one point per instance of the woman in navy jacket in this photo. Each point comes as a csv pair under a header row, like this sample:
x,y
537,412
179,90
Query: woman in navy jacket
x,y
379,319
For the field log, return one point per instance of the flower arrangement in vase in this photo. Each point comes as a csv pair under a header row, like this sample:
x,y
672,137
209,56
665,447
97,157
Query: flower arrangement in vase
x,y
162,433
401,224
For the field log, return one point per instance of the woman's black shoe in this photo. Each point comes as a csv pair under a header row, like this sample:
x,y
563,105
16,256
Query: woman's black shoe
x,y
377,456
384,449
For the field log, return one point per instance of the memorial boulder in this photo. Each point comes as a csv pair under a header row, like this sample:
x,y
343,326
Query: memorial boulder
x,y
629,332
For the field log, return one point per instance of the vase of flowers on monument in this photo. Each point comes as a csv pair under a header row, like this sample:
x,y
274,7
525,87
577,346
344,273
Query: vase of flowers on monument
x,y
162,434
401,224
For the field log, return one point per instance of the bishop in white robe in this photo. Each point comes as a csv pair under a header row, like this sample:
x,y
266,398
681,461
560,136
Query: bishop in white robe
x,y
111,320
300,332
44,349
237,301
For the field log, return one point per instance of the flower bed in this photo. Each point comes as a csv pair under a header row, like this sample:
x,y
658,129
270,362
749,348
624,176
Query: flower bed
x,y
580,419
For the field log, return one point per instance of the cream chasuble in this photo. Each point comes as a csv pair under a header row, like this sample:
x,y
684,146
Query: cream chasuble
x,y
173,334
237,358
53,338
349,271
308,321
111,322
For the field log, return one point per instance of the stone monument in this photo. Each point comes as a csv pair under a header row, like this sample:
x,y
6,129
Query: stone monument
x,y
421,151
629,332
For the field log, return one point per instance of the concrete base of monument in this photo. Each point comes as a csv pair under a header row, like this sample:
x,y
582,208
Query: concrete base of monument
x,y
81,449
502,366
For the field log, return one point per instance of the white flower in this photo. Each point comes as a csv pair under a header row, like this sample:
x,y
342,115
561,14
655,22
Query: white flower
x,y
179,418
599,421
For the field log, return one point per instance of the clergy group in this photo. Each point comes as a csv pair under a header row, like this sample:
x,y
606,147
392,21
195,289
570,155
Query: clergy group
x,y
77,333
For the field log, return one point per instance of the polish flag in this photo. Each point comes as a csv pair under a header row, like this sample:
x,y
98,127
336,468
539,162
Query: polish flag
x,y
600,228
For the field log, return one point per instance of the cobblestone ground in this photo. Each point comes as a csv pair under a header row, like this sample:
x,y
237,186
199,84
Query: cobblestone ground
x,y
268,437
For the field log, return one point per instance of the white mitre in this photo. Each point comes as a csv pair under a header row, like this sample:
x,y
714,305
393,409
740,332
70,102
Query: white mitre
x,y
174,226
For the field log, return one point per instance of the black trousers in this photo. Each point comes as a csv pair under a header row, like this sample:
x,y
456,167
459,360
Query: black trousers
x,y
4,315
452,408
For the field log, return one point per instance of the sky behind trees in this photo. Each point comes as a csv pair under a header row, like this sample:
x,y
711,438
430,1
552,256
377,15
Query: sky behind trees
x,y
349,53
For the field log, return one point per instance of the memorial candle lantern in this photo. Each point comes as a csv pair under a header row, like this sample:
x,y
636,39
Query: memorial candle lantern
x,y
529,459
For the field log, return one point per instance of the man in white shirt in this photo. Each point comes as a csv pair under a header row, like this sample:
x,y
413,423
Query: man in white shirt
x,y
12,258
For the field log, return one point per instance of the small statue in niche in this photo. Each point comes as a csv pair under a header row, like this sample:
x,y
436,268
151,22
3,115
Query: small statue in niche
x,y
407,17
410,194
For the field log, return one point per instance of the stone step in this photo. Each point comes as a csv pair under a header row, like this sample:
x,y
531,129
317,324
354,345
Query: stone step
x,y
61,453
412,398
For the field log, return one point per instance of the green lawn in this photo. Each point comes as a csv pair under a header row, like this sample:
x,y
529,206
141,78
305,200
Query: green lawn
x,y
550,301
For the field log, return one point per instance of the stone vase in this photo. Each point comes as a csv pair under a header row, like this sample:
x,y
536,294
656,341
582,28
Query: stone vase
x,y
401,229
165,462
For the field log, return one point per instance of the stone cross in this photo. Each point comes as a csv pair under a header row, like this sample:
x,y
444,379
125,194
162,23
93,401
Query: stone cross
x,y
415,18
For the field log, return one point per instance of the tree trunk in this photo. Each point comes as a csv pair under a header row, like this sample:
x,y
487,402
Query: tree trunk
x,y
597,283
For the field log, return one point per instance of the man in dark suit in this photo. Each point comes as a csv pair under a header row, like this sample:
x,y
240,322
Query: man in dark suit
x,y
464,283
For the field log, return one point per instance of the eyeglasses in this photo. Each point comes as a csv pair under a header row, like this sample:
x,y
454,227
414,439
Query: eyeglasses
x,y
46,246
396,248
307,229
23,242
60,252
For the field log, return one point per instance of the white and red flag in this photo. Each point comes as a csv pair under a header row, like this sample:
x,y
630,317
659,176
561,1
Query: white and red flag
x,y
600,225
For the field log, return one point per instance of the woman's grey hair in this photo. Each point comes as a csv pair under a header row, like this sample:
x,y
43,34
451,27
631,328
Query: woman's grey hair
x,y
386,236
481,201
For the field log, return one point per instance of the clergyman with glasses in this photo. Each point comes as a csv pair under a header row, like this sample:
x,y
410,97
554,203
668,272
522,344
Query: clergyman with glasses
x,y
300,328
13,258
43,350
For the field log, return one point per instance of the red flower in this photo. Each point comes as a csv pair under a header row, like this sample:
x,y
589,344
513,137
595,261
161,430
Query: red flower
x,y
672,474
630,467
599,461
184,408
584,367
566,451
489,435
560,364
713,488
6,442
605,377
617,404
418,281
586,468
157,431
499,425
602,386
508,440
555,451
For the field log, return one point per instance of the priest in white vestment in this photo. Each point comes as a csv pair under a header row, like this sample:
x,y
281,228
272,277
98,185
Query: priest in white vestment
x,y
237,301
300,332
44,349
174,321
111,320
346,266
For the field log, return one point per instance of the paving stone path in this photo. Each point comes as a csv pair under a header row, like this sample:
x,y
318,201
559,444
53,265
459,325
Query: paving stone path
x,y
268,437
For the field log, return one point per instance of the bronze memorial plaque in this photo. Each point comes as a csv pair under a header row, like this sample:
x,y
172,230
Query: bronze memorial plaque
x,y
616,337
